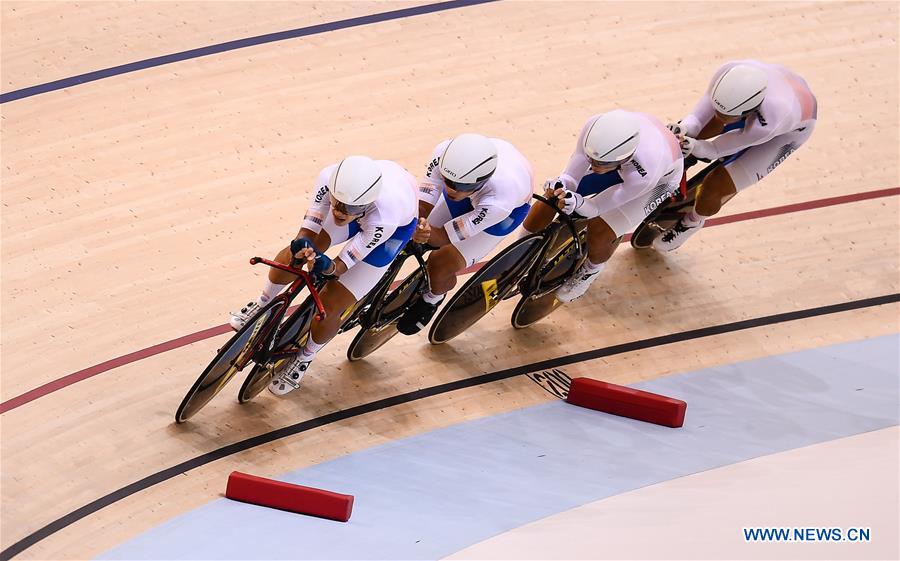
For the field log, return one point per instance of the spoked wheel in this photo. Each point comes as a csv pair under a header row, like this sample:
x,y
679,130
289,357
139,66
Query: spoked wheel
x,y
485,289
293,333
534,307
371,339
223,366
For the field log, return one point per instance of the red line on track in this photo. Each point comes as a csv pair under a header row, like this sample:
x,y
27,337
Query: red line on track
x,y
75,377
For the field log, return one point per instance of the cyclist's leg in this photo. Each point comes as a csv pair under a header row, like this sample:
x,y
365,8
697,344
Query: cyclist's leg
x,y
341,293
717,189
606,231
738,173
602,242
718,184
444,263
539,217
751,167
441,268
337,296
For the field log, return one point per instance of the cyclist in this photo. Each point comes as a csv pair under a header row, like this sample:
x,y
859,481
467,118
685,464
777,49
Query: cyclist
x,y
624,165
476,190
372,204
755,115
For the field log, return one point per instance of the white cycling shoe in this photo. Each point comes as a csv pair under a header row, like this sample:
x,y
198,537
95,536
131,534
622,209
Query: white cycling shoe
x,y
291,374
577,285
674,237
239,319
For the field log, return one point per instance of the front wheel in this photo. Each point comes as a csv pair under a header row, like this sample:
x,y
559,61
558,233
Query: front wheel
x,y
292,335
254,383
661,220
529,310
485,289
650,229
226,362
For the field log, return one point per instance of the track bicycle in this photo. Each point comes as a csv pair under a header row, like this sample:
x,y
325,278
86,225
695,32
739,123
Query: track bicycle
x,y
263,340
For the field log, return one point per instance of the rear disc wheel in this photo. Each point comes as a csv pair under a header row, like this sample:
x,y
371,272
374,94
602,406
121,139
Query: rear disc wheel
x,y
484,290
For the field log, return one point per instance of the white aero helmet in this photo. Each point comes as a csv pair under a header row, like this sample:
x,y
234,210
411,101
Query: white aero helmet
x,y
355,182
468,162
612,138
739,90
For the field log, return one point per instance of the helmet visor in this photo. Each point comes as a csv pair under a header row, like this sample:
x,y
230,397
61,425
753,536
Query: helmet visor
x,y
737,117
343,208
464,187
612,165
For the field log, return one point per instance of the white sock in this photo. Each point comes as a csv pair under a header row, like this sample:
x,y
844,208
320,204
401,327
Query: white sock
x,y
432,298
270,290
591,267
693,218
311,347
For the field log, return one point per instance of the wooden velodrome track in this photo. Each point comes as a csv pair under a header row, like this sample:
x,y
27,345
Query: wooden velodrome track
x,y
130,205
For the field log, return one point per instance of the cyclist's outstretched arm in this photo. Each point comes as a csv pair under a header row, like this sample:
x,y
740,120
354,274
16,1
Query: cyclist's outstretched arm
x,y
432,184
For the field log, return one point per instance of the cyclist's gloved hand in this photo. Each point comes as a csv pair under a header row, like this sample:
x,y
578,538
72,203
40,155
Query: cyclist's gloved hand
x,y
569,201
301,243
552,185
323,265
687,146
423,231
317,262
677,129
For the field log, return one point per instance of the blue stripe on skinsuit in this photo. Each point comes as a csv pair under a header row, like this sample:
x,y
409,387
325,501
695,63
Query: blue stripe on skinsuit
x,y
457,208
387,250
594,183
737,125
510,223
502,228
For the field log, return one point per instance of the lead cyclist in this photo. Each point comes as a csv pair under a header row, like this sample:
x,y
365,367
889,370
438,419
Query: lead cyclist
x,y
369,204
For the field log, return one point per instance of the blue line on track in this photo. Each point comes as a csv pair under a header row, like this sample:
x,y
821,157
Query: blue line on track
x,y
238,44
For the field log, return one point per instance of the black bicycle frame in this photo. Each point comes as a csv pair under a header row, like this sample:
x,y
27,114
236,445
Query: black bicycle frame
x,y
273,328
374,313
533,278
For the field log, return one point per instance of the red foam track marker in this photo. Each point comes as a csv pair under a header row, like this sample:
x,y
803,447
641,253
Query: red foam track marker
x,y
627,402
287,496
